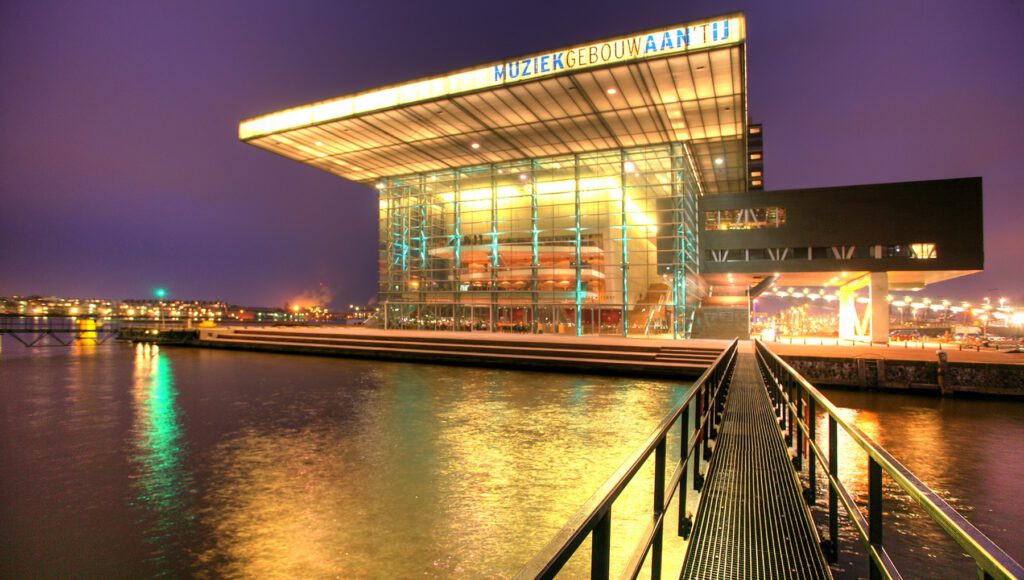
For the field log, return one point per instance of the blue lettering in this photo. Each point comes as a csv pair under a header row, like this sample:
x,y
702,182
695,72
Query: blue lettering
x,y
651,45
513,72
544,64
499,72
666,41
682,37
556,61
725,31
526,67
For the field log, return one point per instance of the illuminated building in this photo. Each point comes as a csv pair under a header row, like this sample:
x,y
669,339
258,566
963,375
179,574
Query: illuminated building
x,y
565,191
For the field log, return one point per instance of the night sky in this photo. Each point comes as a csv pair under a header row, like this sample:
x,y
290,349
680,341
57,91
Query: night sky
x,y
121,170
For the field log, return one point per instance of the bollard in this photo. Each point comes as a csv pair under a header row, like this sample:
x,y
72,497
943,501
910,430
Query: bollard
x,y
942,374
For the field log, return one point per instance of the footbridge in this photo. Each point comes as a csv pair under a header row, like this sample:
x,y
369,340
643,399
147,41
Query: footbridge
x,y
749,449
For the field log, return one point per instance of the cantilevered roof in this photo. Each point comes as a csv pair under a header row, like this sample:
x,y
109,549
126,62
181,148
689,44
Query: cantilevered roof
x,y
680,83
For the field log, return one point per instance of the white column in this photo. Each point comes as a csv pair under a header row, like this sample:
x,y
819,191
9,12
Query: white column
x,y
879,307
848,312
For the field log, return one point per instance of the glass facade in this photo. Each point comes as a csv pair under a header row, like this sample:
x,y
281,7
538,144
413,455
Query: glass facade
x,y
597,243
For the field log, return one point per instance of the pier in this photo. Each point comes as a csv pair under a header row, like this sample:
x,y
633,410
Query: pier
x,y
748,442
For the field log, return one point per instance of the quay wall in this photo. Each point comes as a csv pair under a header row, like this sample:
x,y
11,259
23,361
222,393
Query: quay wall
x,y
958,378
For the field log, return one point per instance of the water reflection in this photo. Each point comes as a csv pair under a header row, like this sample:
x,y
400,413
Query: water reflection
x,y
427,471
967,451
141,462
159,448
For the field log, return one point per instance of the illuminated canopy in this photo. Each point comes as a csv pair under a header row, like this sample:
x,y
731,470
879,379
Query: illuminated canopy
x,y
683,83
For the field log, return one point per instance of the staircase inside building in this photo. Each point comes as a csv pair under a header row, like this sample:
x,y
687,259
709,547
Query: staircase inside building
x,y
642,316
723,316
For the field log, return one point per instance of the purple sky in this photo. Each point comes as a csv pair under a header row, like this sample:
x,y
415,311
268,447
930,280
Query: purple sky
x,y
120,167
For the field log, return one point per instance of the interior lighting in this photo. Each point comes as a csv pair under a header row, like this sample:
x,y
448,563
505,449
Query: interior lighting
x,y
719,160
612,91
380,186
319,143
523,177
629,167
475,145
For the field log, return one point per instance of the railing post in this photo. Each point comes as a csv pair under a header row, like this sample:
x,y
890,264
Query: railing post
x,y
698,481
833,495
811,494
712,409
705,415
874,514
789,409
799,459
782,401
659,506
600,547
684,427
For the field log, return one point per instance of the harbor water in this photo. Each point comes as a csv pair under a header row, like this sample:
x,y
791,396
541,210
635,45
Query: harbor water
x,y
128,461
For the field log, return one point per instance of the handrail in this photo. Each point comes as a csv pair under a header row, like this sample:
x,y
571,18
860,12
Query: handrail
x,y
594,517
788,389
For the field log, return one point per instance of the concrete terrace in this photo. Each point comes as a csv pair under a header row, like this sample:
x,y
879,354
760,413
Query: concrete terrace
x,y
614,355
548,352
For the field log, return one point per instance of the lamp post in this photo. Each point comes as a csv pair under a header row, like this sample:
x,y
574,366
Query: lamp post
x,y
161,293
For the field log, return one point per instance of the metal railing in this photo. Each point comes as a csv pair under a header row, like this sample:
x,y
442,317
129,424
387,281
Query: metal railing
x,y
57,331
707,399
796,402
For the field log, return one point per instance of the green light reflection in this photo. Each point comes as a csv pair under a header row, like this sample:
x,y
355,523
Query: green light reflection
x,y
159,446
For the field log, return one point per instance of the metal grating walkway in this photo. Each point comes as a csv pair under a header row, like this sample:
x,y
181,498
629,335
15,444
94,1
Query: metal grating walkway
x,y
752,521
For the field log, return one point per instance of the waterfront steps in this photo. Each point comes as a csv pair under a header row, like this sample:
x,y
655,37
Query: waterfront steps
x,y
753,521
597,354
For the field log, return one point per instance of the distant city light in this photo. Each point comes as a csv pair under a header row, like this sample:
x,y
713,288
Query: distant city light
x,y
160,292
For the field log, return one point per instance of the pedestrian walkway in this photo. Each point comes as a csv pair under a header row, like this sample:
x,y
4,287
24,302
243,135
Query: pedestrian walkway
x,y
753,521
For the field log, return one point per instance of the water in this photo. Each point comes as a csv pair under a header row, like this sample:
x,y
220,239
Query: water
x,y
122,461
118,461
969,451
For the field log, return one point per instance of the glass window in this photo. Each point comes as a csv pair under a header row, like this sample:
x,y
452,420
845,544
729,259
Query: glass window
x,y
923,251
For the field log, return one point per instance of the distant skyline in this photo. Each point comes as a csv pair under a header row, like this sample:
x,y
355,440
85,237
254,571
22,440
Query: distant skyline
x,y
121,171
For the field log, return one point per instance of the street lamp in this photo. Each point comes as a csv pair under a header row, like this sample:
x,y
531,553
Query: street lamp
x,y
161,293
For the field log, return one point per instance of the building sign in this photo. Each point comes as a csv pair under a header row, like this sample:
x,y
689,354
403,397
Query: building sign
x,y
642,46
673,40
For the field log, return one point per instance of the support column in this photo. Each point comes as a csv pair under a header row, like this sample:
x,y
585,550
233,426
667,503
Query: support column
x,y
874,325
492,239
848,319
534,248
625,243
579,254
879,307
